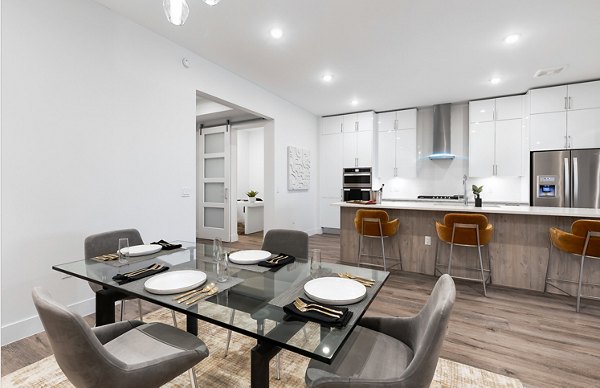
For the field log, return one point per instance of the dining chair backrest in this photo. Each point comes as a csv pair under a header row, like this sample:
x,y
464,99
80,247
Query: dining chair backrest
x,y
108,242
290,242
76,348
427,331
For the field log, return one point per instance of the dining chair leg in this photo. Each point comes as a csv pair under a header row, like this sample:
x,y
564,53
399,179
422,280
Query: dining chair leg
x,y
193,379
122,308
174,318
229,333
278,376
140,310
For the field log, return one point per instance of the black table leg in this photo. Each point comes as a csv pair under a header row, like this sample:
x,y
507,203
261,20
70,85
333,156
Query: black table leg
x,y
191,325
260,355
105,305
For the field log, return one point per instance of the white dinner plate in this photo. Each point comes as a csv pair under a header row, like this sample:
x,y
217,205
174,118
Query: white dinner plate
x,y
175,281
249,257
141,250
338,291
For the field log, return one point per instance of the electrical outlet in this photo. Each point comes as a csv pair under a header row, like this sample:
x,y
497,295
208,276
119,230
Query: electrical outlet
x,y
427,240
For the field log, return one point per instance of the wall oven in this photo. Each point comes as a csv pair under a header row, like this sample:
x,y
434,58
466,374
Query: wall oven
x,y
357,183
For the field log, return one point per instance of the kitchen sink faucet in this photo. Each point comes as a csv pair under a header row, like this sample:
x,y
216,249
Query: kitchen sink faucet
x,y
465,189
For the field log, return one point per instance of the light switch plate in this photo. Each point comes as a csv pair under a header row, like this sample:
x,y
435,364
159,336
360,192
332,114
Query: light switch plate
x,y
185,191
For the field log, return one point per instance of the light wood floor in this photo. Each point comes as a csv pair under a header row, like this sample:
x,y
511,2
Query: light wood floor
x,y
535,337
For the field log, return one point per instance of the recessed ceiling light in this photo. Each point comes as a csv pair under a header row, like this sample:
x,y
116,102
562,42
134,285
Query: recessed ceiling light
x,y
354,102
327,78
495,81
276,33
482,111
512,39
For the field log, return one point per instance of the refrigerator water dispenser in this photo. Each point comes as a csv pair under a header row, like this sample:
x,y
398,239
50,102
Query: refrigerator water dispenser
x,y
547,186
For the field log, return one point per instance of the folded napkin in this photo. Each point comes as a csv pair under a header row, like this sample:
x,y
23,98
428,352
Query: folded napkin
x,y
315,316
123,278
280,263
166,245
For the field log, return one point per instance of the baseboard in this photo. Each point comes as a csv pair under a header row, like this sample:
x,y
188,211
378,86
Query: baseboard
x,y
330,231
312,232
30,326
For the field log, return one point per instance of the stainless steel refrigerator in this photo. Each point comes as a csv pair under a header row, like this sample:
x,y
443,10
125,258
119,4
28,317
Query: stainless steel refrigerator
x,y
568,178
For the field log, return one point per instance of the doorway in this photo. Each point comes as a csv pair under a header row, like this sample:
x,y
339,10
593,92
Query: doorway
x,y
217,126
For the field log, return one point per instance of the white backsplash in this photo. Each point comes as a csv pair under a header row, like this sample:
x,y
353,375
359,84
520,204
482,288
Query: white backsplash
x,y
444,177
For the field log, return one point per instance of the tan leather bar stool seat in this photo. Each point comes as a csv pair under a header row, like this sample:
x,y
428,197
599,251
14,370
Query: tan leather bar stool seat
x,y
584,241
375,224
468,230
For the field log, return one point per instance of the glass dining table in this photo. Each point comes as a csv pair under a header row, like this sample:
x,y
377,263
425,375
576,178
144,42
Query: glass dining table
x,y
250,302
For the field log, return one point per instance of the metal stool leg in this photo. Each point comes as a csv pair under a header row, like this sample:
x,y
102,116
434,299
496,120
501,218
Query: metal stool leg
x,y
435,264
278,376
489,263
548,268
580,282
383,253
360,241
481,263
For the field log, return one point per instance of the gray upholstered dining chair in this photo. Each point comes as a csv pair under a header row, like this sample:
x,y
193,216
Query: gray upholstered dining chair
x,y
290,242
122,354
108,242
391,352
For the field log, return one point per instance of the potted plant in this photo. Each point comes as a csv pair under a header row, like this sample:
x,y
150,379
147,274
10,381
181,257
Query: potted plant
x,y
476,192
252,195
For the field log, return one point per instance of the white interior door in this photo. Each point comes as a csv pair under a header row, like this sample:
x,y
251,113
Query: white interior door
x,y
213,156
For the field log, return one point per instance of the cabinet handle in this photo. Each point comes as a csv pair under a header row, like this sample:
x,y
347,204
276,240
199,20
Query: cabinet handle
x,y
569,141
356,125
570,103
566,104
341,127
341,194
396,124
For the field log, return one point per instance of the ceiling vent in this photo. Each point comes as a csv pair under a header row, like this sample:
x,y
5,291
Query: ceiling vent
x,y
549,72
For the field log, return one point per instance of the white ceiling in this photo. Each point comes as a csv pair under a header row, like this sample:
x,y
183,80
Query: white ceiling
x,y
387,54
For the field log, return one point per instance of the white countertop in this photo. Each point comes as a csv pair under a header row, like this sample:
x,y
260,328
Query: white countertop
x,y
460,207
251,204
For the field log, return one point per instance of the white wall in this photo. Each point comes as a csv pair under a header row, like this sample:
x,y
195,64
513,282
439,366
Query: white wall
x,y
98,133
250,162
444,177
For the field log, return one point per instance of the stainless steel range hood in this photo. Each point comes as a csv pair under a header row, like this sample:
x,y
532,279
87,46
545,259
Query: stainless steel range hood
x,y
441,133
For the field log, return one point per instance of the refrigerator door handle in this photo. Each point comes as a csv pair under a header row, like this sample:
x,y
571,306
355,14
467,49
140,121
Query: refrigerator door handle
x,y
575,182
567,184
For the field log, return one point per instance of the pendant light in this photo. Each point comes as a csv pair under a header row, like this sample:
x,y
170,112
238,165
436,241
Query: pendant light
x,y
177,11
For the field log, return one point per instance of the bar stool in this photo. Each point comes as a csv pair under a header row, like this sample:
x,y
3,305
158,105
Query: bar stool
x,y
584,241
468,230
375,224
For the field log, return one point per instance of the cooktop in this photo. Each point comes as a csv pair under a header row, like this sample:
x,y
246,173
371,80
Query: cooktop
x,y
440,197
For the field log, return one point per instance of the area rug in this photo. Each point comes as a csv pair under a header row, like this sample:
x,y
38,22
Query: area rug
x,y
234,370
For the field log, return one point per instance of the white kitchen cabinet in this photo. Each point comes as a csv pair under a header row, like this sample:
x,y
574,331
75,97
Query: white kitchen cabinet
x,y
495,138
509,108
397,144
508,150
548,131
583,128
358,139
481,149
349,150
330,165
355,122
547,100
503,108
565,117
332,124
364,148
481,111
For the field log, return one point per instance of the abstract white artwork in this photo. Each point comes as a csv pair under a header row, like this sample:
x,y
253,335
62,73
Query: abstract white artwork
x,y
298,169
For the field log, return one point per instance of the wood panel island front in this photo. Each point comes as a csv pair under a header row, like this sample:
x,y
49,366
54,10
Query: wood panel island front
x,y
519,248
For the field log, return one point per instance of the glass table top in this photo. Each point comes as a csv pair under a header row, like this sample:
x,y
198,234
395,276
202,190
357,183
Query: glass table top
x,y
252,305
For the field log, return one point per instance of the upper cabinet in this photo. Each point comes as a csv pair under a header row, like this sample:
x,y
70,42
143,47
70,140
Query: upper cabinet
x,y
357,129
397,144
566,116
495,137
331,124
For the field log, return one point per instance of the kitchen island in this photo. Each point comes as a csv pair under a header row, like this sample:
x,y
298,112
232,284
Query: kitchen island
x,y
519,249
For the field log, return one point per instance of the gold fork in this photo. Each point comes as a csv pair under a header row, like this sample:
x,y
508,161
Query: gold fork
x,y
300,302
189,295
276,260
354,277
363,282
305,309
210,293
140,271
